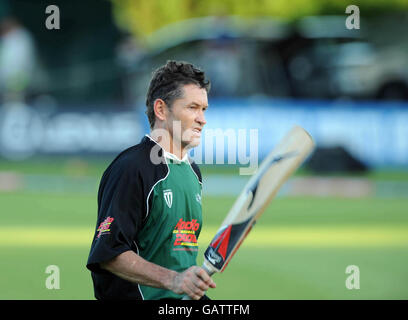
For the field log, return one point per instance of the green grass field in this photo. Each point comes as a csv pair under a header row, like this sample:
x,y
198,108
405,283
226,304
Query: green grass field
x,y
299,249
93,166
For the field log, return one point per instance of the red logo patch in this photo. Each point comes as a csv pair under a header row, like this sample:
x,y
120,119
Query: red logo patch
x,y
185,233
104,227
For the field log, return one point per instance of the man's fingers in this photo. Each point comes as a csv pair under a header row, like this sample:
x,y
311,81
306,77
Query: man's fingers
x,y
201,285
194,292
190,283
206,278
195,282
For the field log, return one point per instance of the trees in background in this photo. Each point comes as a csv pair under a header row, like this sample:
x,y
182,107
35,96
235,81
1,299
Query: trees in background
x,y
142,17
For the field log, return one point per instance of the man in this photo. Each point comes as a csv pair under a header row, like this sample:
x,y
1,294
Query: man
x,y
149,199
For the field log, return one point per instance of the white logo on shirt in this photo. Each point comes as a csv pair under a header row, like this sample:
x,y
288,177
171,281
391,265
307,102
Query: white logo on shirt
x,y
168,197
198,198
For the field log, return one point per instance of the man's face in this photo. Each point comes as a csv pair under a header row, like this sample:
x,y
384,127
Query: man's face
x,y
186,116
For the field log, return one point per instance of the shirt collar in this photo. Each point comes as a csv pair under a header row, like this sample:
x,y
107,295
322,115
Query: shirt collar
x,y
173,157
169,155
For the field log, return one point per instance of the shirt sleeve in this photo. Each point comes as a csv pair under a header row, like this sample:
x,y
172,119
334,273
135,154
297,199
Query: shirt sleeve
x,y
120,214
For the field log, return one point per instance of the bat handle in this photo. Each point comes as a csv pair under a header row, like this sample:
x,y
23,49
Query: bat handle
x,y
208,268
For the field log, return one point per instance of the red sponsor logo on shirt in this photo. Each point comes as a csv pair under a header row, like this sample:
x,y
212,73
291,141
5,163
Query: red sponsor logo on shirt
x,y
104,227
185,233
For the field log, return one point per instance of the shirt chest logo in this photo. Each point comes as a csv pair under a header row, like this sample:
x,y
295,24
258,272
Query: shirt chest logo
x,y
168,197
186,238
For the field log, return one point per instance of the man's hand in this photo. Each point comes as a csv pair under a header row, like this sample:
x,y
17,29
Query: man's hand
x,y
194,282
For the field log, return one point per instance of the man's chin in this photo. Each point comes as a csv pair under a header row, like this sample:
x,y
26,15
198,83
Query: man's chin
x,y
194,142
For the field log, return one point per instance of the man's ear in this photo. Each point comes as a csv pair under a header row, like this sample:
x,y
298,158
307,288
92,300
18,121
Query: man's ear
x,y
160,109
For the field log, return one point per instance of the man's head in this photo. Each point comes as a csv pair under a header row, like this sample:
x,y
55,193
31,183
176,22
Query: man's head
x,y
178,94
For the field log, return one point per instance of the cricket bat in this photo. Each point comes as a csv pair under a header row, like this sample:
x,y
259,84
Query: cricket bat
x,y
261,188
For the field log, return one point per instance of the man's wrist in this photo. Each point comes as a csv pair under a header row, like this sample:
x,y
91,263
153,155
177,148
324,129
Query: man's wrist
x,y
170,281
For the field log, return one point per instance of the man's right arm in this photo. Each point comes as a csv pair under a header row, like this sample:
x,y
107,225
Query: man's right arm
x,y
129,266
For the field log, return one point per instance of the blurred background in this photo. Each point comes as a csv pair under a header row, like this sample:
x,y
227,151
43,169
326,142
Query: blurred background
x,y
72,97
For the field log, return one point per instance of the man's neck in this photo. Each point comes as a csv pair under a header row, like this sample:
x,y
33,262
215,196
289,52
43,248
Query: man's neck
x,y
168,144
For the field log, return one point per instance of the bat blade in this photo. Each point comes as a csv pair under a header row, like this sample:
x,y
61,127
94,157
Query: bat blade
x,y
277,167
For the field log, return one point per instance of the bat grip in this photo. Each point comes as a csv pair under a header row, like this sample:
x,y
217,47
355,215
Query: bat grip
x,y
207,269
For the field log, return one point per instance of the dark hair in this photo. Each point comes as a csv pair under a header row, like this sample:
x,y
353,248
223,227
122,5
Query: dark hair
x,y
167,82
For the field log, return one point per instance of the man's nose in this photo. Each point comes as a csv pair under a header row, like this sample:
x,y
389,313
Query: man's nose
x,y
201,118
